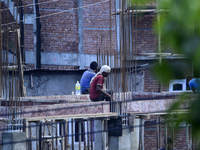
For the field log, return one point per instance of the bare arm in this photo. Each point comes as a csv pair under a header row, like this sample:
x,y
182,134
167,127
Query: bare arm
x,y
98,88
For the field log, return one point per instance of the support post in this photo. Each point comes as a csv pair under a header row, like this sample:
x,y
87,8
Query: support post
x,y
9,140
166,136
99,136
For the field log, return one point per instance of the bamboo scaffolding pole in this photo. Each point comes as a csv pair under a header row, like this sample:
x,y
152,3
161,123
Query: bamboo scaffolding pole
x,y
132,49
88,135
2,52
135,59
123,49
7,95
9,73
129,83
1,80
159,42
110,47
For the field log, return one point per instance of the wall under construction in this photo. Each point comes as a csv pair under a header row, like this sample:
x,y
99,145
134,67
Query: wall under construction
x,y
68,35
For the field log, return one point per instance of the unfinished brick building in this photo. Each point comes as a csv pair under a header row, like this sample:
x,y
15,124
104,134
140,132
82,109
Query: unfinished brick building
x,y
58,39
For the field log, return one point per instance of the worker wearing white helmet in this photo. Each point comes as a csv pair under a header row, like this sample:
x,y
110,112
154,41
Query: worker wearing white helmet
x,y
97,85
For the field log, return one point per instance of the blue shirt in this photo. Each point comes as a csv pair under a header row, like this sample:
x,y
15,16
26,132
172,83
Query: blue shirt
x,y
86,78
195,84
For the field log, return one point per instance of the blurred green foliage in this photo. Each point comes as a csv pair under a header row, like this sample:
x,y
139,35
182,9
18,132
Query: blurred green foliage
x,y
179,25
143,2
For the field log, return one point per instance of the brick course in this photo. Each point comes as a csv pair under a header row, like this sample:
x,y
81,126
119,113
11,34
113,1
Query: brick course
x,y
28,37
150,135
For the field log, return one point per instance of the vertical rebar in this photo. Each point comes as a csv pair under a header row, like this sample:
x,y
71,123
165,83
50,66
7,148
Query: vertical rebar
x,y
1,81
61,134
172,117
91,135
136,38
157,132
52,134
72,131
79,134
187,137
123,56
159,41
40,135
131,46
84,135
160,131
111,51
56,134
166,146
88,135
6,63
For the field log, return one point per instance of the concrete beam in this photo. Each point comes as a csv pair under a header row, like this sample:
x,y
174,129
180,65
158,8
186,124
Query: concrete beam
x,y
54,58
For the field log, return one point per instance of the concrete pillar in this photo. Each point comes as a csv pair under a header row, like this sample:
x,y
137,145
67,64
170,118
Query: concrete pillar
x,y
129,139
9,140
99,136
113,143
135,135
81,60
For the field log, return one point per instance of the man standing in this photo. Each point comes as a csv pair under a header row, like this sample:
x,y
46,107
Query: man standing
x,y
87,76
97,90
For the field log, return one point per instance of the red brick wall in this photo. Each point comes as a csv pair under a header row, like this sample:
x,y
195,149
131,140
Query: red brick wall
x,y
8,29
151,83
96,20
150,141
28,8
6,16
28,37
145,39
59,32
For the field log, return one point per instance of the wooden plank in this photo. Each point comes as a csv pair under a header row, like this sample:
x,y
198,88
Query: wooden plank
x,y
77,116
157,113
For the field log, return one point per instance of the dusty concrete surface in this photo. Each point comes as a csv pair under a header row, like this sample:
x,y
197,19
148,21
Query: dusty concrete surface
x,y
79,104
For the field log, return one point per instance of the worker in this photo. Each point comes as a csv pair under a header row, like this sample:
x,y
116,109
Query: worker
x,y
87,76
194,84
98,91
